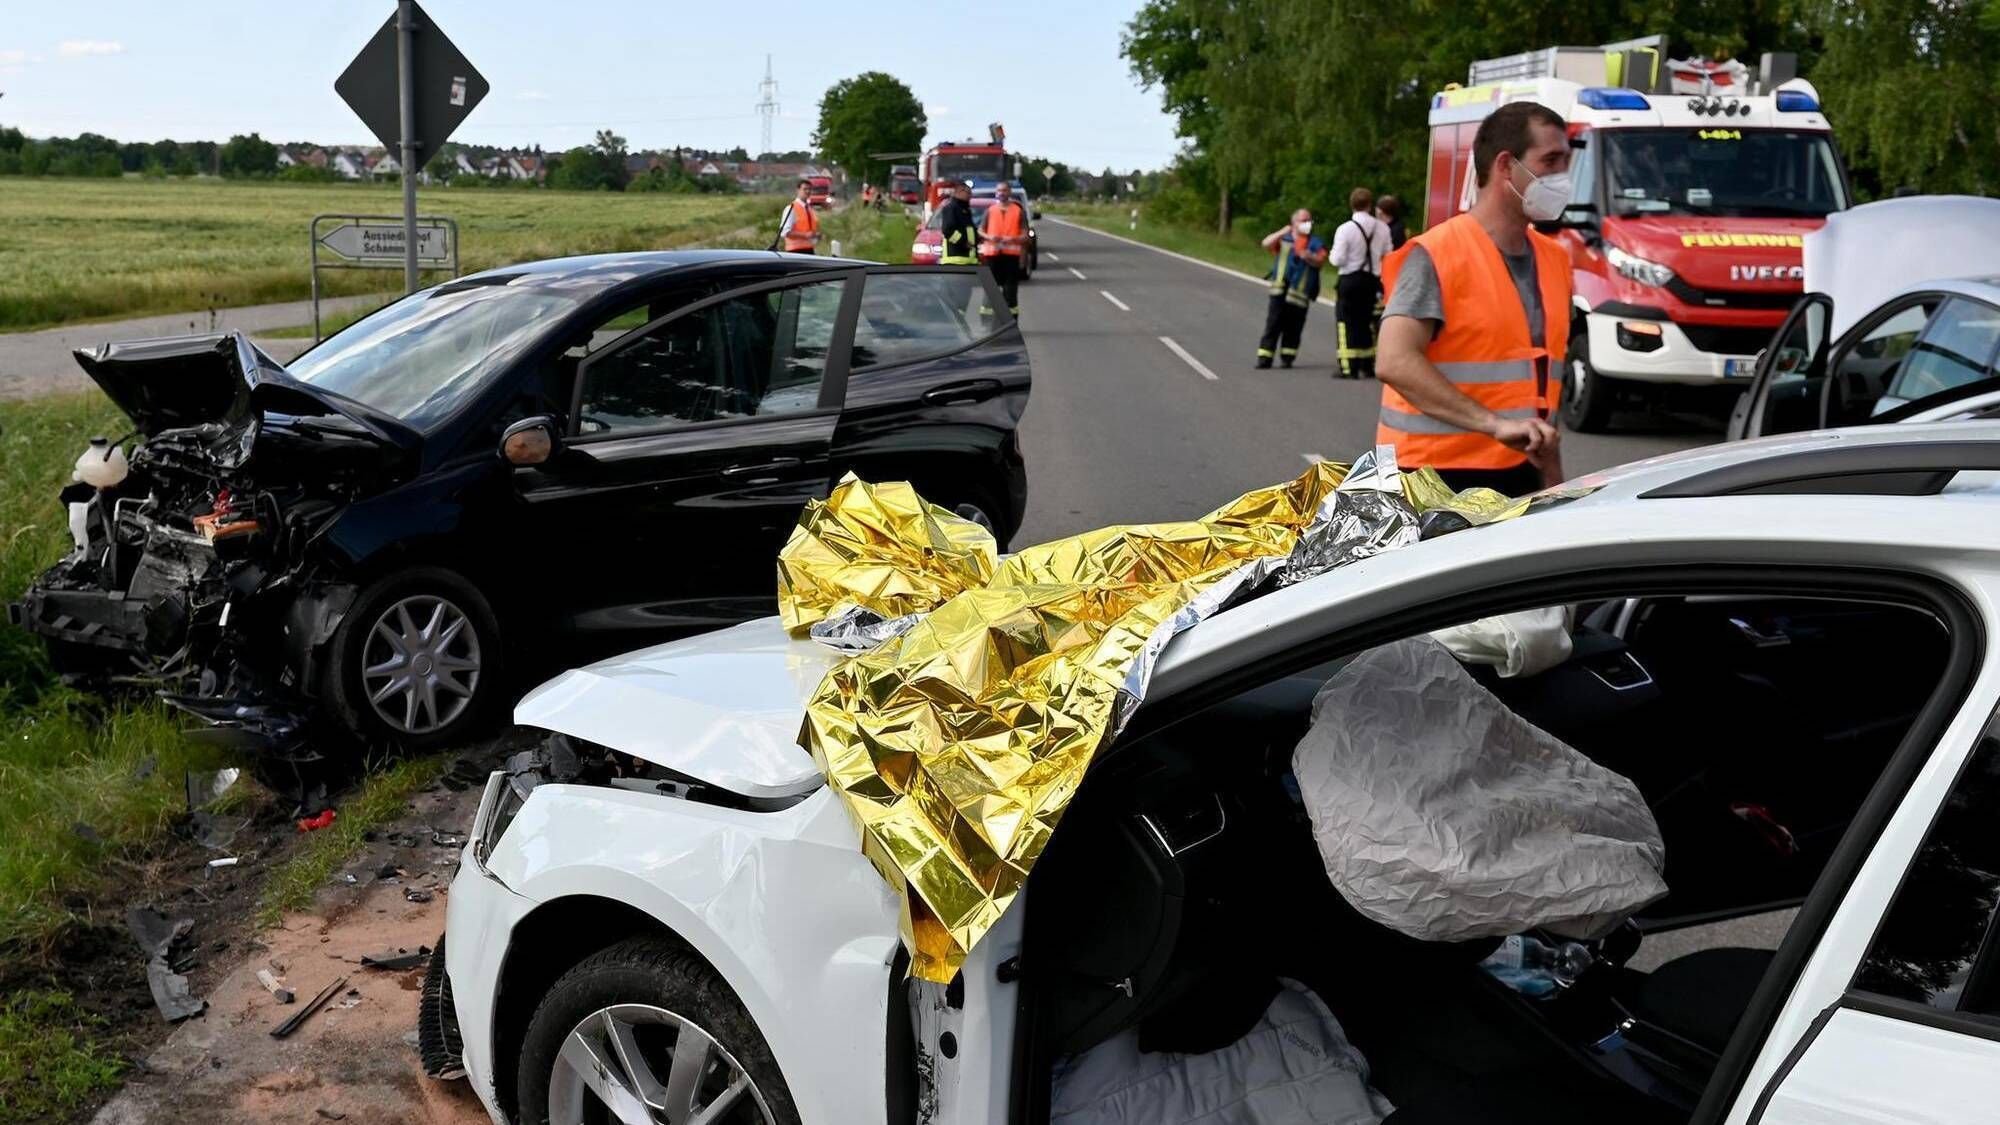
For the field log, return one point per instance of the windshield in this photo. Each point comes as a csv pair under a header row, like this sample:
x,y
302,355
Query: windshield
x,y
1721,171
903,183
969,166
422,357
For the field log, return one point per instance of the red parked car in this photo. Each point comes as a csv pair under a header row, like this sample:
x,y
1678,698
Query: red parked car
x,y
929,245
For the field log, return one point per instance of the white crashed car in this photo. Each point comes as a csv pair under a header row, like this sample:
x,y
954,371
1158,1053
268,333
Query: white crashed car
x,y
1788,646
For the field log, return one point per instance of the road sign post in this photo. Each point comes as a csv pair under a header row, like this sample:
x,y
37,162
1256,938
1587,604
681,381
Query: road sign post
x,y
379,242
412,88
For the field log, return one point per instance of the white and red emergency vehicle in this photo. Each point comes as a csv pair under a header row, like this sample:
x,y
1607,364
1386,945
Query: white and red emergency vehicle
x,y
1693,187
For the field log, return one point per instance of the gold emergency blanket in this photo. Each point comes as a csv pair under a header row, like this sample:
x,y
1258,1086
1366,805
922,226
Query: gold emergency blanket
x,y
958,741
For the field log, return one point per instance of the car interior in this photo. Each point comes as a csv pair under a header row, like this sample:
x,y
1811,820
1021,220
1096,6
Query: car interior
x,y
1185,881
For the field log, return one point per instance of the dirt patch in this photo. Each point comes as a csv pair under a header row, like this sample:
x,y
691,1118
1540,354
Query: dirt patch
x,y
356,1058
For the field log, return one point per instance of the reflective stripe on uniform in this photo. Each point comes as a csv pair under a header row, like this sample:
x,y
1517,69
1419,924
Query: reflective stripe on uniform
x,y
1486,371
1410,423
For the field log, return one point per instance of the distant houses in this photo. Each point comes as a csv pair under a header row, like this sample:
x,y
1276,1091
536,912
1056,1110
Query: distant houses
x,y
531,165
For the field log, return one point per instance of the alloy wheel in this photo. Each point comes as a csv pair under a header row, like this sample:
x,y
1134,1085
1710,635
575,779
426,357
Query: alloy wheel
x,y
636,1064
974,513
420,664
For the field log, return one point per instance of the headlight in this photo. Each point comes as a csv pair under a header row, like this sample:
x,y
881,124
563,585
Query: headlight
x,y
1637,268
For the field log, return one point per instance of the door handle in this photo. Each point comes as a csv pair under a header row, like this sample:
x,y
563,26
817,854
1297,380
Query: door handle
x,y
774,465
955,394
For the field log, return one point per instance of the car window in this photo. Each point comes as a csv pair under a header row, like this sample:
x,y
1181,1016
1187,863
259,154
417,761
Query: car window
x,y
757,354
1793,355
906,316
1893,338
1928,950
1956,349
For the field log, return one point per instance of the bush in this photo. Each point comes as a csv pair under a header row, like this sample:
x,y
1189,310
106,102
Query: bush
x,y
307,174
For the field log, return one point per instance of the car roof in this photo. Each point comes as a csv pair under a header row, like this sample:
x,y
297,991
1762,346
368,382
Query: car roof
x,y
585,275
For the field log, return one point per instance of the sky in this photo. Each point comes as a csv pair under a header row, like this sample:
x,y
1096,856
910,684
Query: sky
x,y
658,73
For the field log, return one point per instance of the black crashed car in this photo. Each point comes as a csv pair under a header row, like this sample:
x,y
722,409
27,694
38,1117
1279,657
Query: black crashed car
x,y
550,461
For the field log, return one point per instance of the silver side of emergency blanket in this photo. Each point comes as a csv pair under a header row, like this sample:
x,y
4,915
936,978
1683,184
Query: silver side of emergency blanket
x,y
1442,815
1295,1067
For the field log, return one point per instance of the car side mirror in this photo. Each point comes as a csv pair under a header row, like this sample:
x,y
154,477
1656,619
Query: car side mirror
x,y
530,441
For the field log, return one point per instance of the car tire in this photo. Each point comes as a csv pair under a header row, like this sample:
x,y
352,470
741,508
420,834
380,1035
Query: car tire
x,y
363,691
981,512
661,992
1586,395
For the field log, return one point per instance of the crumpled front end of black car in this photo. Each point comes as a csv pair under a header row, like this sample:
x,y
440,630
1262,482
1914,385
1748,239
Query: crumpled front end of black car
x,y
194,571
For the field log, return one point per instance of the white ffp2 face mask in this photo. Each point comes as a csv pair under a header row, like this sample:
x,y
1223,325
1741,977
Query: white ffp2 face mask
x,y
1546,195
1304,228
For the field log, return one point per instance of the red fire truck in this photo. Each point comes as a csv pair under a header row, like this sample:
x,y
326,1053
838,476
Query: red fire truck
x,y
1693,186
981,163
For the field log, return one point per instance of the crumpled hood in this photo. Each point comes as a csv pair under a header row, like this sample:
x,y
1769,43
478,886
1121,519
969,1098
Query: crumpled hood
x,y
1701,250
722,708
179,381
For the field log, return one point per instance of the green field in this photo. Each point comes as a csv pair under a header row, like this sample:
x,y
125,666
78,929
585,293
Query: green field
x,y
84,249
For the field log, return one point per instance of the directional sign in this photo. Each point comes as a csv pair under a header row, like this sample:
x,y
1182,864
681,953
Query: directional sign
x,y
383,242
447,87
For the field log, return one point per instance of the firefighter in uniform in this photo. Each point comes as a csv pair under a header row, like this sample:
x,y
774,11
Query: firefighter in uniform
x,y
1005,227
961,232
1478,316
798,229
1294,279
1358,249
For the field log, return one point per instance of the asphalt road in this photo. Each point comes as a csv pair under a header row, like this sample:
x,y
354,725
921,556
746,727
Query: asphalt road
x,y
1122,427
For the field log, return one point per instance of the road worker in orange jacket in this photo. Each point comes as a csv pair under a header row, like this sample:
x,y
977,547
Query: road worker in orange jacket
x,y
1477,317
798,227
1004,236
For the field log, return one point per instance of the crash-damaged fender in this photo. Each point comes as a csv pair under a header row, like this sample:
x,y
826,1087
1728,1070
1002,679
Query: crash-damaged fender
x,y
782,904
722,708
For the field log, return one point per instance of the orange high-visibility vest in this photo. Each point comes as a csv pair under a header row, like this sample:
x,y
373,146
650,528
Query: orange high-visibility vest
x,y
1003,220
1483,348
804,225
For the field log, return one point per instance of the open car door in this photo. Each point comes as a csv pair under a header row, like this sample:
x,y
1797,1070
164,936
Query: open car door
x,y
1784,395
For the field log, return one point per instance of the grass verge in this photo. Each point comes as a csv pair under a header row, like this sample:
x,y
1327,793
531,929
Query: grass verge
x,y
80,250
50,1064
382,798
876,236
1236,250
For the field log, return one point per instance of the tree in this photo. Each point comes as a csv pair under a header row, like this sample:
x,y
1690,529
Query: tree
x,y
441,167
869,113
248,156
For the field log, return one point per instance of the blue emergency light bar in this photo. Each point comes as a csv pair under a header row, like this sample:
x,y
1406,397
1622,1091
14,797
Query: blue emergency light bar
x,y
1797,101
1612,97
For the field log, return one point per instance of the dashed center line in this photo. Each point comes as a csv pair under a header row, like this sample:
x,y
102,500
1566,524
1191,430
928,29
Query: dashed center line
x,y
1077,272
1053,257
1313,458
1122,306
1188,359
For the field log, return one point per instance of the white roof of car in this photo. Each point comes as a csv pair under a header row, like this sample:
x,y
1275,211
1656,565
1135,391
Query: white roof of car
x,y
1866,255
726,707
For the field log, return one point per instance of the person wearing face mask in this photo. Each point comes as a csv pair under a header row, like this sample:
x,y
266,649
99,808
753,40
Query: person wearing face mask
x,y
1477,318
1294,279
1004,229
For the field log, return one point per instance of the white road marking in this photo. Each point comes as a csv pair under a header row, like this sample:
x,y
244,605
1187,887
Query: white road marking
x,y
1053,258
1122,306
1328,302
1077,272
1312,458
1186,358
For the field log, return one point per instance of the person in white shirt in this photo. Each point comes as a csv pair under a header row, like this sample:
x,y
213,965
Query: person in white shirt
x,y
1358,249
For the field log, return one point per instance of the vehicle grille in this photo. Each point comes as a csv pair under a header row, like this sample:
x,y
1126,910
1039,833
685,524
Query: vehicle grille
x,y
438,1038
1727,341
1732,298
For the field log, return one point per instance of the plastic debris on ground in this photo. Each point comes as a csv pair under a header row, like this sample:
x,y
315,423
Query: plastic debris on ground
x,y
157,936
1294,1067
957,743
299,1017
1444,816
275,987
396,960
325,819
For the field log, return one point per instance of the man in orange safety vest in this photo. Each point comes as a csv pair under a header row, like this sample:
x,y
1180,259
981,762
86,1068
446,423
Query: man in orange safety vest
x,y
798,229
1477,319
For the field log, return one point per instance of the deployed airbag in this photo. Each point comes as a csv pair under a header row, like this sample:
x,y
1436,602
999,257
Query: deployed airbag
x,y
1295,1067
1442,815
